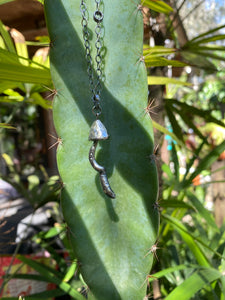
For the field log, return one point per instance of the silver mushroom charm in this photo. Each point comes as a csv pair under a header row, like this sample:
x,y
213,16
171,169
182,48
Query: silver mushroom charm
x,y
98,132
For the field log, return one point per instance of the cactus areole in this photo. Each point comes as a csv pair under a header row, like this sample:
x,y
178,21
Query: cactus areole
x,y
111,233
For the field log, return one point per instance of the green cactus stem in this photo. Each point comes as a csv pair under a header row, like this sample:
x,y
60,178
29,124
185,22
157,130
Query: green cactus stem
x,y
110,237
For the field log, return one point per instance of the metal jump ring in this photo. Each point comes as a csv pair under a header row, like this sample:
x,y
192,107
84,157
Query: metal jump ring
x,y
96,110
98,16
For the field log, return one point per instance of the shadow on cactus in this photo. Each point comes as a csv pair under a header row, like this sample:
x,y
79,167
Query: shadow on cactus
x,y
110,237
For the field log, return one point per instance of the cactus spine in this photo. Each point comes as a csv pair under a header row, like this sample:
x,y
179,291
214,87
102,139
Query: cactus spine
x,y
110,237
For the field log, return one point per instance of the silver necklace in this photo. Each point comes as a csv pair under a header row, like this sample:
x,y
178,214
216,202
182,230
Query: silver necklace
x,y
97,131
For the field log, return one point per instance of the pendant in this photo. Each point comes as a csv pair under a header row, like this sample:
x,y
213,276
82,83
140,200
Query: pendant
x,y
98,132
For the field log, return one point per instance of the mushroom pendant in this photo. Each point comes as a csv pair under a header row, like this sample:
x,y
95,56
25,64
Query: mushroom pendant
x,y
98,132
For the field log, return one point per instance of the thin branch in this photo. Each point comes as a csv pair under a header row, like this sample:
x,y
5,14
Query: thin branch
x,y
191,11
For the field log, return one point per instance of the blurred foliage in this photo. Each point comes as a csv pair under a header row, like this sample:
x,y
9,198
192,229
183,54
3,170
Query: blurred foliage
x,y
33,185
190,252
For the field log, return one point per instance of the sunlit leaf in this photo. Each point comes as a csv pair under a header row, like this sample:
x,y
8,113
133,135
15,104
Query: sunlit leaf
x,y
4,85
167,271
200,279
7,38
2,43
71,271
18,72
52,276
209,47
175,204
166,131
166,169
158,6
205,34
158,80
5,1
157,50
189,240
6,126
210,39
153,61
40,58
13,58
37,99
21,47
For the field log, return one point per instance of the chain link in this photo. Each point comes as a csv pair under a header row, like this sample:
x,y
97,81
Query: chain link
x,y
95,85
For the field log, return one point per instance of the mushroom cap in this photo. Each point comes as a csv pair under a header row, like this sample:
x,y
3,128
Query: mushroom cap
x,y
98,131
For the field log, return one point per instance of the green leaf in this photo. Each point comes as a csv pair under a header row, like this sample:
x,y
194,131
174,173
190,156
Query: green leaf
x,y
6,126
5,1
204,213
205,34
158,6
190,124
153,61
21,47
13,58
13,94
197,281
209,47
46,295
37,99
52,232
192,160
205,114
167,170
175,160
40,58
197,60
25,276
157,80
189,240
208,55
7,38
157,50
18,72
4,85
222,270
2,43
210,39
205,163
173,121
51,275
168,271
175,204
71,271
166,131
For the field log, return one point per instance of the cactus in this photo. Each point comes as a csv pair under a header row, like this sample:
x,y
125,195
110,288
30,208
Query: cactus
x,y
110,237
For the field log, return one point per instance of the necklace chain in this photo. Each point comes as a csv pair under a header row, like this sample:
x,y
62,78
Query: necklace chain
x,y
95,84
97,131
